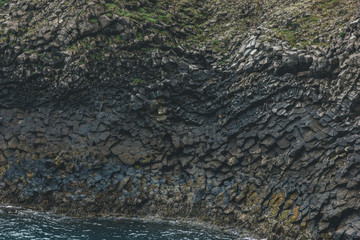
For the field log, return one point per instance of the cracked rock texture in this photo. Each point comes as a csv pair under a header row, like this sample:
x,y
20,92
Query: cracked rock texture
x,y
107,110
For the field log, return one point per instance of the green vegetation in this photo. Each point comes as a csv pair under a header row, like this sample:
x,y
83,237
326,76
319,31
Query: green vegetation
x,y
184,13
117,9
97,55
137,81
152,14
139,36
207,24
146,49
287,35
311,22
2,3
118,38
94,20
29,50
40,67
297,22
329,3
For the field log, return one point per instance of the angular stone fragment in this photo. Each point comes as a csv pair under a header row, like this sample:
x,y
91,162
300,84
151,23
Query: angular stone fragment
x,y
104,21
3,143
283,143
88,27
232,161
13,143
248,143
104,136
268,141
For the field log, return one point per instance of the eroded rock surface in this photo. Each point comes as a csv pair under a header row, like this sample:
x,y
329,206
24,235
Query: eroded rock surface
x,y
101,114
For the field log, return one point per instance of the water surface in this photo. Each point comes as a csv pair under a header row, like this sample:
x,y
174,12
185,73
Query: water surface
x,y
16,224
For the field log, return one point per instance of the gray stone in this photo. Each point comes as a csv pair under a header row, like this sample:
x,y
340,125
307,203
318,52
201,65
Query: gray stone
x,y
104,136
88,27
283,143
33,57
104,21
13,143
268,141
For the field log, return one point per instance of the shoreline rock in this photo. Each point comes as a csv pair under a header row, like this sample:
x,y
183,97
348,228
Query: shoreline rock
x,y
115,112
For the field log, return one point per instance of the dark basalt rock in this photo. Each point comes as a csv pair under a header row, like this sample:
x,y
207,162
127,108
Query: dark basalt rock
x,y
265,140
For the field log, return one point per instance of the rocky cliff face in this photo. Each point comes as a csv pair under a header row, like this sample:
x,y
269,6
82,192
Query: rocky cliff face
x,y
234,113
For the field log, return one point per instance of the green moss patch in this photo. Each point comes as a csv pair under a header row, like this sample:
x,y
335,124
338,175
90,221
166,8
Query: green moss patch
x,y
3,2
309,22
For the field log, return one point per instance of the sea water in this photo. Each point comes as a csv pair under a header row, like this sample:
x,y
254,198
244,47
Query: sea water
x,y
21,224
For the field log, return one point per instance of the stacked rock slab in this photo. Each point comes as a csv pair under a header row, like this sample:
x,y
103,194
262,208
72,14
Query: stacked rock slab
x,y
267,143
